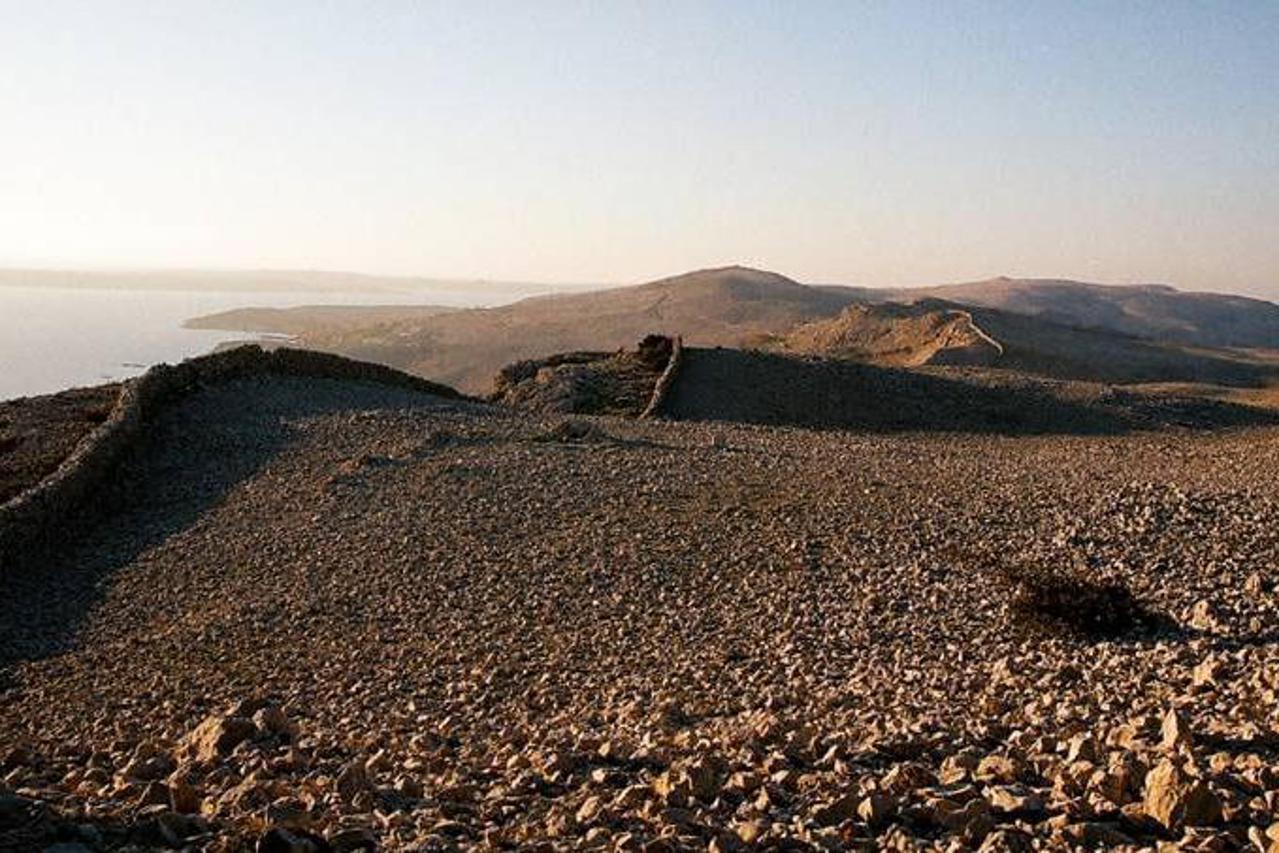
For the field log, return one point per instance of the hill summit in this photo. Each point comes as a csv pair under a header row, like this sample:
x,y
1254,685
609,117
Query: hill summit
x,y
1066,329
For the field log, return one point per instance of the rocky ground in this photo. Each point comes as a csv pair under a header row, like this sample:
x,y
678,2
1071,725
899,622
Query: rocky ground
x,y
756,386
37,433
320,615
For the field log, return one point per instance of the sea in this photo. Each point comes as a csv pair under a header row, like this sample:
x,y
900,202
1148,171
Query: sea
x,y
53,338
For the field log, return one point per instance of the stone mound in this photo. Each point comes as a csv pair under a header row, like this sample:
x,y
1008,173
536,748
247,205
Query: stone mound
x,y
616,383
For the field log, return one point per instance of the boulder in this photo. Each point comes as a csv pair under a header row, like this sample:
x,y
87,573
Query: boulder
x,y
1203,617
272,722
217,736
1176,799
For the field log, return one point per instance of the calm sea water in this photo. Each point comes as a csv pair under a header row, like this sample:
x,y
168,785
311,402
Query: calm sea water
x,y
54,338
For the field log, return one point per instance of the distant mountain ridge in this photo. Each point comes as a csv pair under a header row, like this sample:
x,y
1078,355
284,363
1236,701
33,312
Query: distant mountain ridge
x,y
935,332
1155,311
1056,328
716,307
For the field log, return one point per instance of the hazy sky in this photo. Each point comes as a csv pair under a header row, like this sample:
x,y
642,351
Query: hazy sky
x,y
872,143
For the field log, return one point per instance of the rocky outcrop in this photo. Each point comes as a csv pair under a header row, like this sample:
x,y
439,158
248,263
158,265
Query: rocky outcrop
x,y
626,382
26,520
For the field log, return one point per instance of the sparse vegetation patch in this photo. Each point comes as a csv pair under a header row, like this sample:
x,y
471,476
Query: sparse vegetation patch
x,y
1056,599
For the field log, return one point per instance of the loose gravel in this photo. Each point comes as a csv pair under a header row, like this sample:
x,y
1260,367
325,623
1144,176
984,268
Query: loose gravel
x,y
324,615
38,433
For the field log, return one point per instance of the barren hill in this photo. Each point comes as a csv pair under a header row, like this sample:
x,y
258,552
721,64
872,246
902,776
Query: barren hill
x,y
892,334
835,393
1153,311
1038,345
1055,328
936,332
468,348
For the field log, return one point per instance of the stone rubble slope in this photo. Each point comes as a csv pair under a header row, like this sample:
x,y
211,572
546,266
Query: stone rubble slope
x,y
325,615
45,506
38,433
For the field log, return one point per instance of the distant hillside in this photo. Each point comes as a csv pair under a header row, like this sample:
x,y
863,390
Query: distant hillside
x,y
1060,329
313,319
898,335
1040,346
708,307
936,332
1150,311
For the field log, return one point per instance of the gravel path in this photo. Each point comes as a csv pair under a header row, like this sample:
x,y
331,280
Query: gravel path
x,y
324,610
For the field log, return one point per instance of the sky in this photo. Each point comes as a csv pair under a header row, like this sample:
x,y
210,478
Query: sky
x,y
887,143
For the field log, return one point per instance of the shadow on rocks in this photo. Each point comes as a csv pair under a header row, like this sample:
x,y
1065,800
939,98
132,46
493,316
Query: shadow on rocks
x,y
29,824
749,386
192,456
1063,600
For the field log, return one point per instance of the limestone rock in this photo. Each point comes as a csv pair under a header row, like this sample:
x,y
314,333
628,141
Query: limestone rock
x,y
272,721
352,781
836,811
216,737
1007,841
1175,799
1175,732
877,809
1203,617
999,768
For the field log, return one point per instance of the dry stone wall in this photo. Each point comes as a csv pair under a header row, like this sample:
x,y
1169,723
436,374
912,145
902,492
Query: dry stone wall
x,y
27,520
665,382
